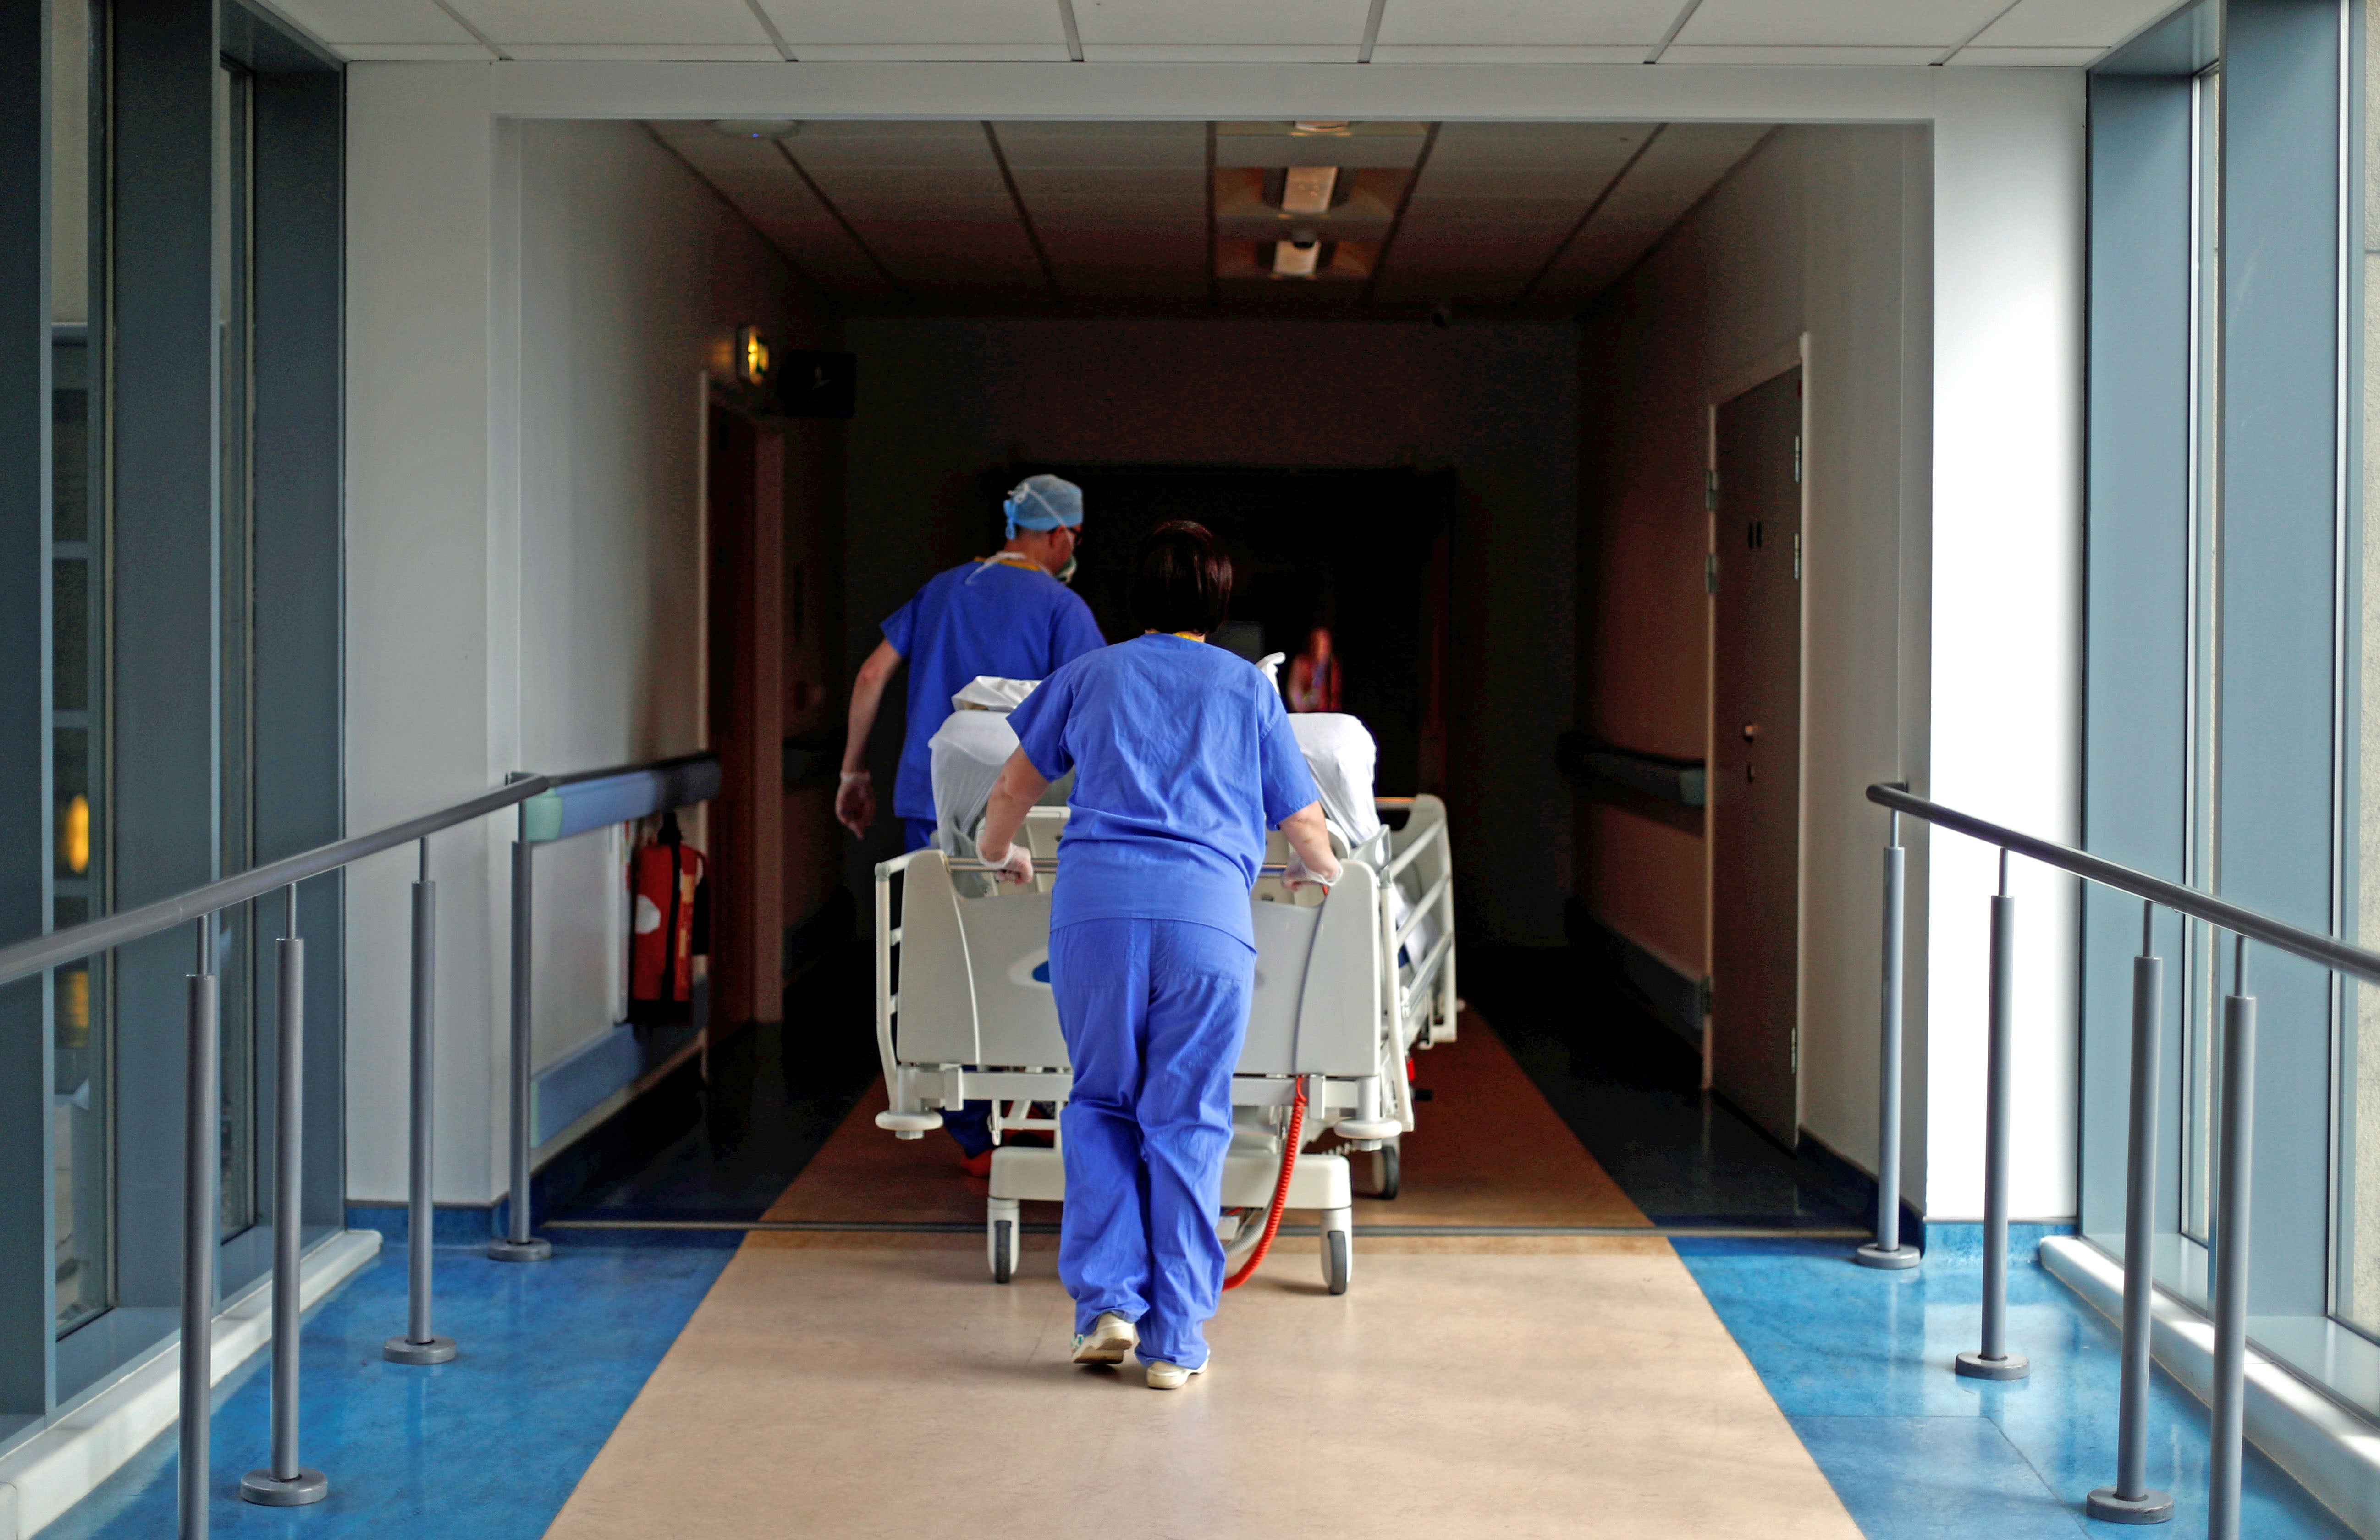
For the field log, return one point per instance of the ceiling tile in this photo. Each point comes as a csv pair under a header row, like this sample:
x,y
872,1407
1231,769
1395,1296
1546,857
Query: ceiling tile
x,y
1601,147
383,23
1222,53
1447,53
615,21
1837,23
1235,24
1097,145
1530,22
930,52
807,24
1779,53
1380,145
674,53
2068,57
822,145
2070,23
1673,175
754,176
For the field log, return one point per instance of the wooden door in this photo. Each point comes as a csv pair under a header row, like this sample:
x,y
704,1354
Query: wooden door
x,y
1755,781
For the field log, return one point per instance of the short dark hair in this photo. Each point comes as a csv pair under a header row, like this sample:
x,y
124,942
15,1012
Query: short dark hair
x,y
1181,579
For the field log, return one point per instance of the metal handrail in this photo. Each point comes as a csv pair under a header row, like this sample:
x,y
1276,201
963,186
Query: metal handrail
x,y
2131,1499
284,1482
2324,949
76,943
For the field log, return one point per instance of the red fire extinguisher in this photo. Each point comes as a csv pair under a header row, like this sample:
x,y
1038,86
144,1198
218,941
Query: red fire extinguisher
x,y
667,902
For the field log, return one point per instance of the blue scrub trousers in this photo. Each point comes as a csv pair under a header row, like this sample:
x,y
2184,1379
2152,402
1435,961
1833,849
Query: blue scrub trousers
x,y
1153,1012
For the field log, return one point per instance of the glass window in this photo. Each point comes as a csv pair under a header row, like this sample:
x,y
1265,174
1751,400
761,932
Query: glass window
x,y
2358,1163
81,1098
236,952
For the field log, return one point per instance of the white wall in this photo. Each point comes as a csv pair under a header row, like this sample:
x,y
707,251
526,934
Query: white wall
x,y
1943,537
531,309
1818,235
2004,735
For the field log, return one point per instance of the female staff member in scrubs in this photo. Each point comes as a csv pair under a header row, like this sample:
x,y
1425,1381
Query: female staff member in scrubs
x,y
1183,757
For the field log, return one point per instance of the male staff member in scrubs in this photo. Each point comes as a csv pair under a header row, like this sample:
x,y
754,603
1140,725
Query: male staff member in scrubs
x,y
1006,615
1183,757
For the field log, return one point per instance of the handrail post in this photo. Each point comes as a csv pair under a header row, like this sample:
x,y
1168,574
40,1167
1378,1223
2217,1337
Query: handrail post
x,y
420,1344
1994,1361
1887,1249
2232,1168
284,1483
201,1204
516,1244
2129,1501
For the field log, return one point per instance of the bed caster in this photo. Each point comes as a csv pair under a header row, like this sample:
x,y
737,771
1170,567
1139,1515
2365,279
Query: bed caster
x,y
1387,1170
1338,1249
1000,1228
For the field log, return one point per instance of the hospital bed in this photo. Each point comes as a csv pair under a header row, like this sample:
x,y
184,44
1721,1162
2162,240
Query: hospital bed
x,y
1348,986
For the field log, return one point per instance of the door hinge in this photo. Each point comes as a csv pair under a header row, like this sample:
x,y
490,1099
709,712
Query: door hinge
x,y
1797,459
1710,490
1797,555
1796,1065
1710,573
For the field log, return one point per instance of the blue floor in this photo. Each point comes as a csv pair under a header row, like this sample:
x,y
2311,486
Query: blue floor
x,y
1860,1361
488,1446
491,1445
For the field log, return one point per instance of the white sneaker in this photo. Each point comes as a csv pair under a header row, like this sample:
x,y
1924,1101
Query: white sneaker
x,y
1109,1339
1171,1376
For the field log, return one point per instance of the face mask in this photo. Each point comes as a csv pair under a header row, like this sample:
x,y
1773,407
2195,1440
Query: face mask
x,y
1067,573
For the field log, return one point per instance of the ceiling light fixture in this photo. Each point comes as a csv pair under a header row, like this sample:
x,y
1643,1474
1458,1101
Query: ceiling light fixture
x,y
1320,125
757,128
1307,189
1298,256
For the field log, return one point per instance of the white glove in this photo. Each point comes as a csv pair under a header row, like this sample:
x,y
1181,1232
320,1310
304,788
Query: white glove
x,y
1297,874
1015,866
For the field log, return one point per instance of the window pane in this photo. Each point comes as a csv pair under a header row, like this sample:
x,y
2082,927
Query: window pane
x,y
80,1086
2358,1287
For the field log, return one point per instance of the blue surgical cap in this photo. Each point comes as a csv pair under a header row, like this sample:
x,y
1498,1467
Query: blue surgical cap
x,y
1043,502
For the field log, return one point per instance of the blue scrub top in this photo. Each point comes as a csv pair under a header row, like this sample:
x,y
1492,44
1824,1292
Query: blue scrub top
x,y
996,618
1183,757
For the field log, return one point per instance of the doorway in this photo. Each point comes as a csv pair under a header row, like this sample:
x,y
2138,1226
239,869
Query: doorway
x,y
1756,784
1361,553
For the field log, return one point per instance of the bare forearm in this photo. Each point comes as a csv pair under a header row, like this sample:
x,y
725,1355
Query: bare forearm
x,y
1019,787
1310,838
867,700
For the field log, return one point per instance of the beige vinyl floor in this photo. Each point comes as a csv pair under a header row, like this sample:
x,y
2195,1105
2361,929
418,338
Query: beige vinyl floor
x,y
868,1386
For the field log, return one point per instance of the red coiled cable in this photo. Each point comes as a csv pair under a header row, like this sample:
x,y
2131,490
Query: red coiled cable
x,y
1280,1192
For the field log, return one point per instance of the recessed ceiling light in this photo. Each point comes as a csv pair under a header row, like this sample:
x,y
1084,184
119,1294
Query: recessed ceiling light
x,y
1307,189
1320,125
1296,256
757,127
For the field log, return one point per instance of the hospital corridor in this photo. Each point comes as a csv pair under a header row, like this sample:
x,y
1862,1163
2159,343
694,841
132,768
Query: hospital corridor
x,y
1132,768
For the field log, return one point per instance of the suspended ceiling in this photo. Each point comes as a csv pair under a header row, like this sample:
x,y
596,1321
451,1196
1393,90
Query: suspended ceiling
x,y
1475,214
1913,33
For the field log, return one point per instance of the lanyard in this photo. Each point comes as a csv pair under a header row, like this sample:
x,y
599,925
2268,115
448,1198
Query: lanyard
x,y
1012,558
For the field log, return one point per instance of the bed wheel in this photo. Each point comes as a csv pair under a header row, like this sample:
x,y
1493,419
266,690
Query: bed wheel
x,y
1338,1249
1003,1241
1002,1223
1387,1170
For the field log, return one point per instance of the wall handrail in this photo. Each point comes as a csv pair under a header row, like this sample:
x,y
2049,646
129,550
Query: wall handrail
x,y
2314,948
26,958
